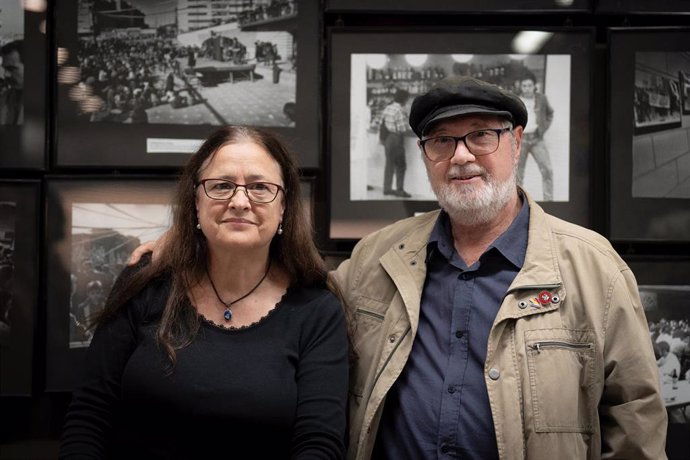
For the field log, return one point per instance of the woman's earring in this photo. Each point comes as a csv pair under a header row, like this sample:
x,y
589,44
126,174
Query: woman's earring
x,y
280,228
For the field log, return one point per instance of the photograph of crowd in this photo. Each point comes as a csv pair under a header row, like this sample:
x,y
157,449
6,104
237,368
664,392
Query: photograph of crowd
x,y
668,314
11,63
103,237
184,62
7,235
385,162
657,92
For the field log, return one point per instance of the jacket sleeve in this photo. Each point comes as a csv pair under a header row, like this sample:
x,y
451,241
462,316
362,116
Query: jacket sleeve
x,y
632,415
322,379
89,419
547,118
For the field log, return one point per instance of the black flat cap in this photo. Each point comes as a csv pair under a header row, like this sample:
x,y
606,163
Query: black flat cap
x,y
454,96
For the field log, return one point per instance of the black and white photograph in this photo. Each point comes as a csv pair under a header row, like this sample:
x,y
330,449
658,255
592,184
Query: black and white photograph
x,y
464,6
649,143
667,308
185,62
384,85
657,94
152,78
19,240
93,225
378,175
103,237
685,90
11,63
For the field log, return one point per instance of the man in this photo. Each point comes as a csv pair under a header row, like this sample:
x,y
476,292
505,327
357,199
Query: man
x,y
491,329
11,97
393,127
541,114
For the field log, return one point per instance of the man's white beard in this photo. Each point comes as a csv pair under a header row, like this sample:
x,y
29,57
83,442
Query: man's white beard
x,y
475,204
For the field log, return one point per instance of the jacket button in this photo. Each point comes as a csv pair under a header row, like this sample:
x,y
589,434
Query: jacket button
x,y
402,246
494,374
555,299
414,262
522,304
391,338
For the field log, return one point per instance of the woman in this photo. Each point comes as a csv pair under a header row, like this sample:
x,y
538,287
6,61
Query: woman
x,y
228,344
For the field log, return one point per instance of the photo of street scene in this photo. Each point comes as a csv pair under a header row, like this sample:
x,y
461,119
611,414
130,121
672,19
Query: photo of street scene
x,y
103,237
7,236
193,62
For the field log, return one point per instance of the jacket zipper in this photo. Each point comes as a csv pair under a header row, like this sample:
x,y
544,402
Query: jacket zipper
x,y
539,346
369,313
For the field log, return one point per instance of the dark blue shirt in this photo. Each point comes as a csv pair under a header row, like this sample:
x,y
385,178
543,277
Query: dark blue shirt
x,y
439,406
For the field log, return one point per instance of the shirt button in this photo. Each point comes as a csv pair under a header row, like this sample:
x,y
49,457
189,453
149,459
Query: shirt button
x,y
451,389
464,276
445,449
459,334
494,374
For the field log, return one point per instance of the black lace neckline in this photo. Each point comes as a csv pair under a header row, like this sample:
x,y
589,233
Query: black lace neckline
x,y
259,321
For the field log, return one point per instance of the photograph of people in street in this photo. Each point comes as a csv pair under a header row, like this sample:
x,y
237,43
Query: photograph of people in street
x,y
103,237
660,157
385,163
11,63
184,62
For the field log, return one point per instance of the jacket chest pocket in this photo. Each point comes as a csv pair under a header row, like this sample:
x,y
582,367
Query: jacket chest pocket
x,y
561,376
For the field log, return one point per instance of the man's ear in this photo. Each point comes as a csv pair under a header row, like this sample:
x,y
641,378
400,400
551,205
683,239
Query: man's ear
x,y
517,132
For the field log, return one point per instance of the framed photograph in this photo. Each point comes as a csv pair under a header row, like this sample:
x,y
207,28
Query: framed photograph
x,y
141,83
19,255
649,147
642,6
369,71
23,84
93,224
465,6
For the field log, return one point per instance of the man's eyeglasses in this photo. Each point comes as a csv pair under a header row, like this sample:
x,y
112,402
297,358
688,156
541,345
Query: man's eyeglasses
x,y
258,192
481,142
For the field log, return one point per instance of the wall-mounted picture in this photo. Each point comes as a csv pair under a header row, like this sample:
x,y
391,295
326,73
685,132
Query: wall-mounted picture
x,y
649,143
465,6
657,94
19,240
93,227
166,71
684,77
22,84
374,78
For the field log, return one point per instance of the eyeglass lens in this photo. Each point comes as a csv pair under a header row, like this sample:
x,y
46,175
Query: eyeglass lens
x,y
260,192
481,142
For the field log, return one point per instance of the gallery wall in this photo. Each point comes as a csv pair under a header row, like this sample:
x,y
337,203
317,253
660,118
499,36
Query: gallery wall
x,y
114,106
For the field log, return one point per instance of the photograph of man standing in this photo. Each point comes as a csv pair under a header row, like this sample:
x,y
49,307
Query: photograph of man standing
x,y
393,127
540,115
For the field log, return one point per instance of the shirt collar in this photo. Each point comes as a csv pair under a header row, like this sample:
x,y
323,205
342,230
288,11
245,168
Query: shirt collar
x,y
512,243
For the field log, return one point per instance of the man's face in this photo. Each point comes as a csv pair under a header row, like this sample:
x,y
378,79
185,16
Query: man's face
x,y
527,88
475,190
14,69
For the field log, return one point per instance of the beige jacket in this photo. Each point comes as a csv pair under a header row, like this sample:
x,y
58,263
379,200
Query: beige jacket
x,y
573,378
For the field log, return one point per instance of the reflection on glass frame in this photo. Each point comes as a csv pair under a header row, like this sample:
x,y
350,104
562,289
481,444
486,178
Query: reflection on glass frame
x,y
93,226
19,240
465,6
184,76
22,90
369,70
649,148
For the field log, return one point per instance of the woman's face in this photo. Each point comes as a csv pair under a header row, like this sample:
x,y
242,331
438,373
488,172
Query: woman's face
x,y
239,223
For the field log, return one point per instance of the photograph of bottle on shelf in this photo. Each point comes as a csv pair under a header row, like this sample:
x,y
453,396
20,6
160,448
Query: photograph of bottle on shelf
x,y
384,159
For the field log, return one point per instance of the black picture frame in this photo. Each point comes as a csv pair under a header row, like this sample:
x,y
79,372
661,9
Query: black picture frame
x,y
93,224
353,218
641,7
20,223
22,146
648,199
465,6
109,144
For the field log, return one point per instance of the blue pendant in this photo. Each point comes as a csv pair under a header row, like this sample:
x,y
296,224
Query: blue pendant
x,y
227,315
